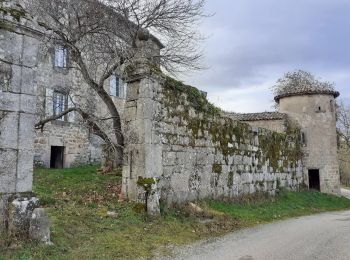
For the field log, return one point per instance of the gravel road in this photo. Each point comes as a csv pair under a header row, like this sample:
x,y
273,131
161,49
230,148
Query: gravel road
x,y
323,236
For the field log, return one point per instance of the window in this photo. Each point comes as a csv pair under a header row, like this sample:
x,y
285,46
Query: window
x,y
59,104
303,138
5,77
115,86
319,109
60,57
331,106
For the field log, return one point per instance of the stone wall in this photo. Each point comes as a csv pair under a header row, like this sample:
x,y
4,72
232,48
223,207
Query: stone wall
x,y
17,99
174,135
17,118
80,147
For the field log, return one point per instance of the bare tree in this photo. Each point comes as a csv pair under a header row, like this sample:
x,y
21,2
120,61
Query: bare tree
x,y
343,125
343,116
105,36
300,80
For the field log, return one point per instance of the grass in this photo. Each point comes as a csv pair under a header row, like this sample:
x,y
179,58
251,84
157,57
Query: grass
x,y
77,201
287,205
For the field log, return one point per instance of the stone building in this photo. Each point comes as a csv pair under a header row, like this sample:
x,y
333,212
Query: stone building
x,y
313,109
66,142
273,121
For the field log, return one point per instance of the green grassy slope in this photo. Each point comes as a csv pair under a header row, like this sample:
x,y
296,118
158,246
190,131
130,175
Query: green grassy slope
x,y
77,201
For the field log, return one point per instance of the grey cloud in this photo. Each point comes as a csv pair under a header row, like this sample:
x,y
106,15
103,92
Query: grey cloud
x,y
254,42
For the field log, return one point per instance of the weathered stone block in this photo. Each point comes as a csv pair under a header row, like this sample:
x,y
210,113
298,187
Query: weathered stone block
x,y
153,206
9,101
20,213
26,131
8,162
153,160
8,130
39,226
29,57
146,109
3,214
149,88
28,104
24,171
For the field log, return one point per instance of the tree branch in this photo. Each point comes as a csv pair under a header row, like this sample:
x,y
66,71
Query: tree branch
x,y
96,129
42,123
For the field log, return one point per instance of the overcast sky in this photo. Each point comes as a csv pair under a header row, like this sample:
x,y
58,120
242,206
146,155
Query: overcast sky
x,y
254,42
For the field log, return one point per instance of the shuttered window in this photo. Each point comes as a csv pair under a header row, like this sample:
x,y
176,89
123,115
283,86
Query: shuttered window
x,y
60,56
114,86
59,104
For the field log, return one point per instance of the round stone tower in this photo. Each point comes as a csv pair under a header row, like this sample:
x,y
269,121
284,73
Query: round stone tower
x,y
313,108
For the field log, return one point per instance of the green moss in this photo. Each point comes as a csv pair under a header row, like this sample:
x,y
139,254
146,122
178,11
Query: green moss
x,y
139,208
278,184
171,138
230,179
194,98
15,13
146,183
217,168
229,137
276,146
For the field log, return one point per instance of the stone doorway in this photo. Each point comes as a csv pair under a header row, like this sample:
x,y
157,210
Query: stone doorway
x,y
314,180
57,155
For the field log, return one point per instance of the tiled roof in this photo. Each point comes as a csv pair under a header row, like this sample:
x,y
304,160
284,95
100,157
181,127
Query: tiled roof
x,y
258,116
299,90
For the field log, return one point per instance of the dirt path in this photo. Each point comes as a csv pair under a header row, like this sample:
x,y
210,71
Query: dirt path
x,y
323,237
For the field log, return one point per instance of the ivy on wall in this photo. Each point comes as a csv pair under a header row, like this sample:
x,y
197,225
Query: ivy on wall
x,y
229,137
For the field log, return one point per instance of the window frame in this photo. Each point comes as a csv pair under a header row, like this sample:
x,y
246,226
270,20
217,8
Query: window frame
x,y
60,57
56,110
115,89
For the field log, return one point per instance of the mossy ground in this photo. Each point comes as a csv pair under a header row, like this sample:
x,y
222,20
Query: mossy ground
x,y
77,201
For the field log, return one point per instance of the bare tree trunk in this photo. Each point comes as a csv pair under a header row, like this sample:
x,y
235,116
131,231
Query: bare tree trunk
x,y
98,88
117,127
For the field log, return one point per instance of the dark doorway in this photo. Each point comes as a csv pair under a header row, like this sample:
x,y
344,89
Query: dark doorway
x,y
314,180
57,153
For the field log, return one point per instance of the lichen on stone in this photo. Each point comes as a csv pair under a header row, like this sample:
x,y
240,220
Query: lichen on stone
x,y
217,168
16,13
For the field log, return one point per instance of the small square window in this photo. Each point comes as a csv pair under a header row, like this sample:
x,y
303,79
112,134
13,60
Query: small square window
x,y
60,57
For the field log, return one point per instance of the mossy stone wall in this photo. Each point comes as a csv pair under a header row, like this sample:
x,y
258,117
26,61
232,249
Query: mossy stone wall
x,y
208,155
